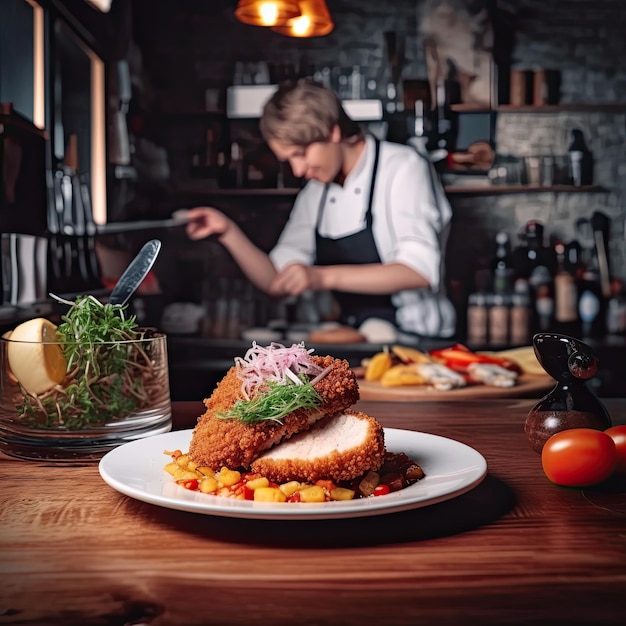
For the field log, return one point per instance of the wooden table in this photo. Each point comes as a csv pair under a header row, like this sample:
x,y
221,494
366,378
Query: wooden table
x,y
514,550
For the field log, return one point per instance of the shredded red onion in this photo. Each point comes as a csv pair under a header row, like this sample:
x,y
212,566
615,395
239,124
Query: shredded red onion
x,y
274,363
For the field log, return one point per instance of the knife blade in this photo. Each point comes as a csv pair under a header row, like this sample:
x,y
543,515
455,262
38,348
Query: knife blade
x,y
135,273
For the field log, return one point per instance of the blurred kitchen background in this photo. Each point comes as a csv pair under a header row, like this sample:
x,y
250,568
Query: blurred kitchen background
x,y
115,115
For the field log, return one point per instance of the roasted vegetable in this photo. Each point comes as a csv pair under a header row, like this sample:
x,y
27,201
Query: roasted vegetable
x,y
399,375
458,357
378,365
410,355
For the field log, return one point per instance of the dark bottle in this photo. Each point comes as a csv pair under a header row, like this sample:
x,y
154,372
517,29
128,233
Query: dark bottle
x,y
536,263
446,119
591,305
533,253
502,267
565,294
580,160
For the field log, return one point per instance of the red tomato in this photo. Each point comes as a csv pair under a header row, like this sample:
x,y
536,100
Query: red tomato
x,y
618,435
578,457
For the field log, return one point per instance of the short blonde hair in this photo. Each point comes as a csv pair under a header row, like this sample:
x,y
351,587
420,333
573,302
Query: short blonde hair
x,y
303,112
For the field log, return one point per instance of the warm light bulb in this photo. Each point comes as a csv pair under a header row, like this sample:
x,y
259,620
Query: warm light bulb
x,y
269,13
300,25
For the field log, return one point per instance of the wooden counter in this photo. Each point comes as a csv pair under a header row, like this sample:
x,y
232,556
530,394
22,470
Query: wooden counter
x,y
514,550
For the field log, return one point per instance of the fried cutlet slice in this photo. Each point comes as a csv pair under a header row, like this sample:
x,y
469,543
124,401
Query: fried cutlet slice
x,y
218,442
337,448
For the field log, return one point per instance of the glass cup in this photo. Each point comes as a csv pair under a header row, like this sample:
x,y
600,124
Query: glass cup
x,y
68,402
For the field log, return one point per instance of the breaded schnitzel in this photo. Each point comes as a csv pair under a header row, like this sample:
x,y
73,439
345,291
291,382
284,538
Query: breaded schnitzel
x,y
338,448
218,442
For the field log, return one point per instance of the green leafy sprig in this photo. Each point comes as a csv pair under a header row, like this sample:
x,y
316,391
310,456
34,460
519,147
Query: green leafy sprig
x,y
274,404
110,374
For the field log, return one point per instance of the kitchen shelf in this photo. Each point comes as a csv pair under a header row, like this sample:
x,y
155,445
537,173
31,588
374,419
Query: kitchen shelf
x,y
508,189
548,108
246,191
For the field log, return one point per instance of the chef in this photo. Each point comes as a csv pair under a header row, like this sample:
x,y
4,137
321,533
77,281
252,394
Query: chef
x,y
370,225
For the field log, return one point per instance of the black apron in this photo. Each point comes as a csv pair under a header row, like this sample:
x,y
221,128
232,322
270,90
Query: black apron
x,y
356,249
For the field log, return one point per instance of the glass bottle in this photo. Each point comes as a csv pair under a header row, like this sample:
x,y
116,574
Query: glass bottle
x,y
477,321
580,160
502,267
565,294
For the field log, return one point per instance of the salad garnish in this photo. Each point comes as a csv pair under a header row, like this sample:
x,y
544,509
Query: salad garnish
x,y
109,374
276,380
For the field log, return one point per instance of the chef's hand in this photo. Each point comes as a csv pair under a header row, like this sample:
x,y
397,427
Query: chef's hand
x,y
295,279
206,221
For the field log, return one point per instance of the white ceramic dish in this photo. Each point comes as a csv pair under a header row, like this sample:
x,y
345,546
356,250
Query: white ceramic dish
x,y
452,468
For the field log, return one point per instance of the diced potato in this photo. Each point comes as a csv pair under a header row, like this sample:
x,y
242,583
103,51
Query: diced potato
x,y
257,483
341,493
182,460
171,468
290,488
205,471
269,494
183,474
208,485
227,477
314,493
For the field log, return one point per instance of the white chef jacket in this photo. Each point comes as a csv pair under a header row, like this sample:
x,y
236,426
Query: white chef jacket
x,y
411,217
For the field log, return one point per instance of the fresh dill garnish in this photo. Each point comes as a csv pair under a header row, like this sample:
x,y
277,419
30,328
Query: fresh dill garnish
x,y
272,405
109,372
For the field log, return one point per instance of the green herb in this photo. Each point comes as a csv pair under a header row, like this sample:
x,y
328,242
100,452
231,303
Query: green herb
x,y
272,405
109,371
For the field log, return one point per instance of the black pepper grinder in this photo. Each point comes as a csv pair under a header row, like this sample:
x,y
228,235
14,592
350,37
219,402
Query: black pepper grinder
x,y
571,404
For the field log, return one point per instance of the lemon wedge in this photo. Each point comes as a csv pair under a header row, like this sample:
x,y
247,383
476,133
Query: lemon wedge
x,y
34,359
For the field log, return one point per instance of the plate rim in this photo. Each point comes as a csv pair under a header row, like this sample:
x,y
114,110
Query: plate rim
x,y
227,507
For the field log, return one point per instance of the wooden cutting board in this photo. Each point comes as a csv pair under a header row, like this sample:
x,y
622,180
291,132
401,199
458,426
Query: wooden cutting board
x,y
527,387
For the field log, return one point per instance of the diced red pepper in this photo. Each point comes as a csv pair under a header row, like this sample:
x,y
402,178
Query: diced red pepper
x,y
294,497
381,490
248,494
189,483
328,485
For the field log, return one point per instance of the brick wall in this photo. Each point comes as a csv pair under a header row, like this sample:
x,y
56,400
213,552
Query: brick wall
x,y
188,46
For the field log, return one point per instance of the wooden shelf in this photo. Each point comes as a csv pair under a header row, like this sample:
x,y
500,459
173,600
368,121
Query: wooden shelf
x,y
265,191
508,189
550,108
557,108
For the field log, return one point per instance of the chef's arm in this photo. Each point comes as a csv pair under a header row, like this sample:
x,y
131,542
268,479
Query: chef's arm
x,y
371,278
377,278
254,263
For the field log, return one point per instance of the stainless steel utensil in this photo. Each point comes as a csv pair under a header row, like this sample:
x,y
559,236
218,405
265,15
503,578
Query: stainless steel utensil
x,y
135,273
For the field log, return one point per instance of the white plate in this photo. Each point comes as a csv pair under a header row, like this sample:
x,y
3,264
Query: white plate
x,y
452,468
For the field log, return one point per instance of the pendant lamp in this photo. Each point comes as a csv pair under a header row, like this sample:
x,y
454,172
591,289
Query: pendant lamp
x,y
266,12
315,21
